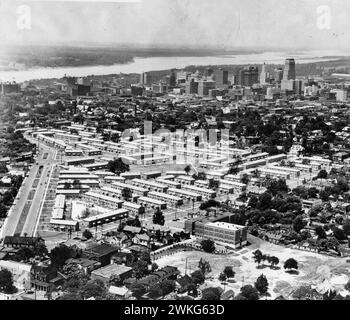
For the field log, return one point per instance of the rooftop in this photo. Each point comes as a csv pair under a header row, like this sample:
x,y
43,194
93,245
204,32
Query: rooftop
x,y
225,225
111,270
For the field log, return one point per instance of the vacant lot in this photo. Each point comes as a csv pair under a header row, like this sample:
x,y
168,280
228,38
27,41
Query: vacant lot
x,y
314,269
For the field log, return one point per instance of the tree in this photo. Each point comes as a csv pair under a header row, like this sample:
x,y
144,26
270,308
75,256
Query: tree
x,y
60,254
187,169
291,264
23,254
126,194
303,293
87,234
197,277
213,184
140,268
208,245
155,291
3,211
158,217
222,277
346,227
118,166
138,290
298,224
93,288
211,294
6,281
76,279
274,261
320,232
249,292
322,174
347,286
202,176
204,266
167,286
257,256
229,273
261,284
339,234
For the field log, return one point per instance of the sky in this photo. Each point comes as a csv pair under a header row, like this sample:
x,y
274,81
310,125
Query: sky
x,y
222,24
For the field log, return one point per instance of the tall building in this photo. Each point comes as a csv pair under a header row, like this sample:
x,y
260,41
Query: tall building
x,y
172,79
278,75
7,88
191,87
263,75
289,70
181,76
145,78
221,77
248,76
204,86
159,87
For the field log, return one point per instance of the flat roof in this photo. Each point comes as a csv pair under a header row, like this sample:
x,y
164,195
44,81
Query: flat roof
x,y
225,226
111,270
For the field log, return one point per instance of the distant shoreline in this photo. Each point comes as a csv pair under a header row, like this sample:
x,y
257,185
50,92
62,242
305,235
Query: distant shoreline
x,y
139,64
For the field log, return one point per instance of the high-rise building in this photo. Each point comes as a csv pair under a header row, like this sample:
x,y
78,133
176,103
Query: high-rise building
x,y
204,86
145,78
248,76
181,76
221,77
172,79
159,87
278,75
263,75
191,87
289,70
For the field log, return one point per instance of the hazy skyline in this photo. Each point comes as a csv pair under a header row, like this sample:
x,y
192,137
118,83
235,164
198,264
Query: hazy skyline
x,y
224,24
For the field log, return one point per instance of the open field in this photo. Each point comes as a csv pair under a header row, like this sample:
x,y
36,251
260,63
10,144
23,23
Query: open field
x,y
314,269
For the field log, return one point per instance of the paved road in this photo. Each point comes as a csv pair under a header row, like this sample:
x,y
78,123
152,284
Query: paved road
x,y
21,220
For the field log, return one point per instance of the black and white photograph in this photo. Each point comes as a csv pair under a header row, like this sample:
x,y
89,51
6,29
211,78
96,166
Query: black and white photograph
x,y
171,155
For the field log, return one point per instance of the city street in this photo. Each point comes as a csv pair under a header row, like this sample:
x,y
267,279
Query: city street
x,y
25,212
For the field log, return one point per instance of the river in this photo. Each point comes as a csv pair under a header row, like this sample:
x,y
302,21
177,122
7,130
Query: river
x,y
164,63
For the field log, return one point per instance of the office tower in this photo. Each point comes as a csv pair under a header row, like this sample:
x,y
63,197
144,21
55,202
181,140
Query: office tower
x,y
248,76
278,75
263,75
172,79
181,76
204,86
145,78
288,85
221,77
289,70
298,87
159,87
191,87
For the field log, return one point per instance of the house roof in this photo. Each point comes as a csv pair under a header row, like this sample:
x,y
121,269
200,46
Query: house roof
x,y
142,237
111,270
102,249
227,295
119,291
184,281
132,229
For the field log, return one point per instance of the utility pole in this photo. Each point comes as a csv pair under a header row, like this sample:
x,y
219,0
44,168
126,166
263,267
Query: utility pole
x,y
186,266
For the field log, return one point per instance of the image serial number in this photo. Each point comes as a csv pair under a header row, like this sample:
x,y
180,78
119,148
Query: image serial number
x,y
210,309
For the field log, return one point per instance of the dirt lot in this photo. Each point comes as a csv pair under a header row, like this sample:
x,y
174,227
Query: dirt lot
x,y
314,269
